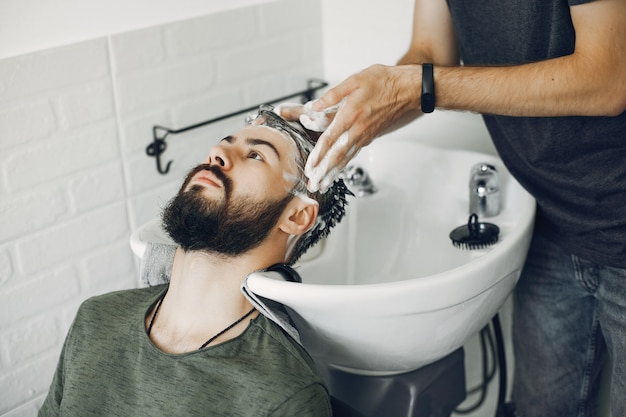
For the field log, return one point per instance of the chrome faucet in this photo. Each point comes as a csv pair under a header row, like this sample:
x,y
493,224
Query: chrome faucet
x,y
484,194
359,180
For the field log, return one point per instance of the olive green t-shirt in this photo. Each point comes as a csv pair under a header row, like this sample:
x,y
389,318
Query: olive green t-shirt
x,y
109,367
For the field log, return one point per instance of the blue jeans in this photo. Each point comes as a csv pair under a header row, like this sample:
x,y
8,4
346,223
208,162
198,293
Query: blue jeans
x,y
568,314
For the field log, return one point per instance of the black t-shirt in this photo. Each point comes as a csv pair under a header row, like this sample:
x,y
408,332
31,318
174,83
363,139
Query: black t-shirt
x,y
575,167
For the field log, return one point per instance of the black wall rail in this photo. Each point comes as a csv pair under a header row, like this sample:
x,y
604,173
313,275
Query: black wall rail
x,y
160,133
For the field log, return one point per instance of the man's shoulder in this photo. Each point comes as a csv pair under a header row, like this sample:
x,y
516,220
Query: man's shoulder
x,y
275,333
118,302
280,345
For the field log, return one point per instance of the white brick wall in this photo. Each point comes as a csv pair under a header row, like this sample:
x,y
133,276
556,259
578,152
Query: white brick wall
x,y
74,176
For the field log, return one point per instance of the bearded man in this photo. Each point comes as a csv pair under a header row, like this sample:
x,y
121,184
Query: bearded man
x,y
197,346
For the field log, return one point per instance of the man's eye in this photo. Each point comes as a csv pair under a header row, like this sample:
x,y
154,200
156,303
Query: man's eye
x,y
255,155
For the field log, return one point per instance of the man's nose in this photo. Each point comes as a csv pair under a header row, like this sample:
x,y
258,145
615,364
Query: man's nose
x,y
218,155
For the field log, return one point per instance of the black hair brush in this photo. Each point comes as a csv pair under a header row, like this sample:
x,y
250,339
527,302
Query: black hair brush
x,y
474,234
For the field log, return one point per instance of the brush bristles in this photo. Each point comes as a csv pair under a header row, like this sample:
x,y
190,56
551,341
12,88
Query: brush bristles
x,y
473,245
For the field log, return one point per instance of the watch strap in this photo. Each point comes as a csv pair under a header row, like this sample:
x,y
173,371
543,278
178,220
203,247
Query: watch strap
x,y
428,88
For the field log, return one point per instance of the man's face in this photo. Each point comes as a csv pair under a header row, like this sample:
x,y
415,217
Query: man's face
x,y
230,204
256,162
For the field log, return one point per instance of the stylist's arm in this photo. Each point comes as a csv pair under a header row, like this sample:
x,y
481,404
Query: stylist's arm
x,y
380,98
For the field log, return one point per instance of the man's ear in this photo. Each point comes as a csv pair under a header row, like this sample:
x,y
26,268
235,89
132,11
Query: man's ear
x,y
299,216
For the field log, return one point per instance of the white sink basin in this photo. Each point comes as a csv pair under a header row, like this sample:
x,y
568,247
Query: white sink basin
x,y
387,292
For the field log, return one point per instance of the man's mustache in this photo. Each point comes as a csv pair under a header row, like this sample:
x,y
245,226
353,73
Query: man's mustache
x,y
216,170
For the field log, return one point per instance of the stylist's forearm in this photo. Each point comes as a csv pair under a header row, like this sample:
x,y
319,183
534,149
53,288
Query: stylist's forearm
x,y
552,88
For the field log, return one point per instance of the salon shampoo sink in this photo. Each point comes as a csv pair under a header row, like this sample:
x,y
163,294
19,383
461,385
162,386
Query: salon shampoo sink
x,y
387,292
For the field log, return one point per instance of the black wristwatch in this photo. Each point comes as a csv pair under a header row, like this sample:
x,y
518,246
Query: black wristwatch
x,y
428,88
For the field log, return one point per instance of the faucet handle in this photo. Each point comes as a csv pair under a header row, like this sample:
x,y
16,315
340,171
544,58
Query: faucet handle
x,y
357,177
353,175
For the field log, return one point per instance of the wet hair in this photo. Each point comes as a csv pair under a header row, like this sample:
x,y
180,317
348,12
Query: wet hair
x,y
332,203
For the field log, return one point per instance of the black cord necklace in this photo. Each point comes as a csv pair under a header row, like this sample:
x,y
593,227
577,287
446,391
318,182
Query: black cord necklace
x,y
205,344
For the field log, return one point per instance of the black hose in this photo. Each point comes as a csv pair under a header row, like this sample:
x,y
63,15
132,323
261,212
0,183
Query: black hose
x,y
499,362
500,409
487,347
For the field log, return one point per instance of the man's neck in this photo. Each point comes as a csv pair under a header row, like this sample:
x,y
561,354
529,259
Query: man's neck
x,y
203,298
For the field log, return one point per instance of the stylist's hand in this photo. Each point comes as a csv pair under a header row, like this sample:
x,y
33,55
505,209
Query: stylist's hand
x,y
373,100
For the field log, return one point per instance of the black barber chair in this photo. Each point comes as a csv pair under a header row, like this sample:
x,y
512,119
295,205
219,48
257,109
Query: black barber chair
x,y
341,409
432,391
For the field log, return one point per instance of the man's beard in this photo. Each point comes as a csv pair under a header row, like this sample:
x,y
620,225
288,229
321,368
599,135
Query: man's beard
x,y
223,227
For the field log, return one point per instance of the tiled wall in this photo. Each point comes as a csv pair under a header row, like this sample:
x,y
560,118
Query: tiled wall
x,y
74,176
